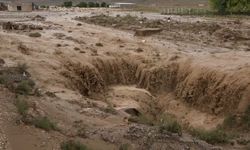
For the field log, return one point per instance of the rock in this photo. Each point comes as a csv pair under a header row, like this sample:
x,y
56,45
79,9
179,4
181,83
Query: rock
x,y
99,44
2,62
20,26
38,18
139,50
147,31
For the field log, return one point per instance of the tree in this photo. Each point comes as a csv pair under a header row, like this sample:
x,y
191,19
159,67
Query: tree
x,y
67,4
91,4
82,4
97,5
230,6
103,4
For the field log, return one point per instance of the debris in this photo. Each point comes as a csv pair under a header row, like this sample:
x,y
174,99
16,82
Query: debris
x,y
139,50
2,62
20,26
147,31
99,44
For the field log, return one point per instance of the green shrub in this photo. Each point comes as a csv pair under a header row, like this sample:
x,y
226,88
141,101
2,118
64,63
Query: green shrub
x,y
72,145
35,34
110,109
103,4
3,79
25,87
68,4
246,119
22,106
230,122
44,123
212,137
21,68
97,5
141,120
124,147
82,4
91,4
170,126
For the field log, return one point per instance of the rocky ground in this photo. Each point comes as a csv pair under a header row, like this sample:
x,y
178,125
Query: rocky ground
x,y
89,78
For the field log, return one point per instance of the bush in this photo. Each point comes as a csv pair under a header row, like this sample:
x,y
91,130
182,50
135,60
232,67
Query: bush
x,y
213,137
44,123
124,147
25,87
230,122
3,79
35,34
22,106
171,126
82,4
246,119
103,4
68,4
110,109
22,68
97,5
72,145
91,4
141,120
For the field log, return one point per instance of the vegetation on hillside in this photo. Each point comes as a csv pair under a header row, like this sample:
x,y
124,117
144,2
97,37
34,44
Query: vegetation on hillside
x,y
230,6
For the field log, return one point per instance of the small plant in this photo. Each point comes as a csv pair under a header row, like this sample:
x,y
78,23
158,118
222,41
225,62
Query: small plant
x,y
229,122
24,87
110,109
124,147
35,34
99,44
22,68
72,145
171,126
3,79
44,123
82,133
246,119
22,106
212,137
141,120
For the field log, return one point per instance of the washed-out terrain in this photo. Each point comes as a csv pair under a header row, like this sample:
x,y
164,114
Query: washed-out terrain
x,y
113,79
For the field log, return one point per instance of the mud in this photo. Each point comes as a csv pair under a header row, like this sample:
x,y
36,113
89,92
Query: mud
x,y
91,79
203,32
206,89
20,26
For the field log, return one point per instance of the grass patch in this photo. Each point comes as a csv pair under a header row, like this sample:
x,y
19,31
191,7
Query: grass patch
x,y
141,119
110,109
245,120
22,106
171,126
124,147
215,136
229,122
44,123
72,145
25,87
35,34
22,68
17,79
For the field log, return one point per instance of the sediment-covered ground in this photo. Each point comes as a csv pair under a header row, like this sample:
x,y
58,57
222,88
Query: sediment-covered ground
x,y
100,84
